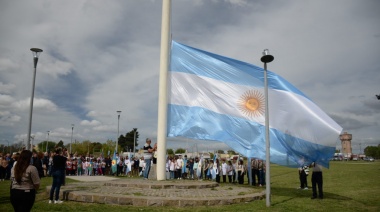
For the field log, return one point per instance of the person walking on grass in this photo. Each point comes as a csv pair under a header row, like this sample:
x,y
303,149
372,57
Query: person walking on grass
x,y
25,182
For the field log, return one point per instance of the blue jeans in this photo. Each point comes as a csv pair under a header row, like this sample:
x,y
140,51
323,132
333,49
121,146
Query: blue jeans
x,y
262,177
147,167
58,178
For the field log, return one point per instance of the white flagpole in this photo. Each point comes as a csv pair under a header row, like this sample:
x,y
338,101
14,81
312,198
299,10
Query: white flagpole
x,y
267,58
162,92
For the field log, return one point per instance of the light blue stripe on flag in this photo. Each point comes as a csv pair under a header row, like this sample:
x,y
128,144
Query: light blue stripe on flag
x,y
217,98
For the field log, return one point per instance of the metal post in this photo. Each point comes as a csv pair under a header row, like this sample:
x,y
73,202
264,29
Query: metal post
x,y
267,58
134,141
72,131
36,52
162,91
118,121
47,142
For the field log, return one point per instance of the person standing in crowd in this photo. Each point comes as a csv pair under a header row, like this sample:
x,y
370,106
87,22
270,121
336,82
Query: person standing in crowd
x,y
128,167
108,162
148,150
45,163
191,168
240,171
205,168
217,168
3,168
101,166
261,168
25,182
80,166
74,165
38,164
58,173
172,167
224,170
195,168
69,167
11,162
235,164
167,167
141,166
50,164
255,171
184,167
136,165
303,173
230,171
317,180
180,164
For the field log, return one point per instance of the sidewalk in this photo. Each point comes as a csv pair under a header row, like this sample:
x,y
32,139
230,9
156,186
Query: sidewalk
x,y
85,178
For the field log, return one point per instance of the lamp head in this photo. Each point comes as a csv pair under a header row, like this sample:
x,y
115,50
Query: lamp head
x,y
36,52
266,58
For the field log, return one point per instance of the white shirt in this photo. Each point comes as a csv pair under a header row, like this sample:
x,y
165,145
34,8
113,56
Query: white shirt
x,y
224,168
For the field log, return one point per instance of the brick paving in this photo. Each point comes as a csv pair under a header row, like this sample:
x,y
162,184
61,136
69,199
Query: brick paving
x,y
139,192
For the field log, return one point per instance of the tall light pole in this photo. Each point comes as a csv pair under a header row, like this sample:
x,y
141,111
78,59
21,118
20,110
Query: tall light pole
x,y
72,131
134,140
31,144
36,53
267,58
118,121
47,142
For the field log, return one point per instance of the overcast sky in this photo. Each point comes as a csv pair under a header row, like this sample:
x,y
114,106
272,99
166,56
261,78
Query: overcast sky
x,y
103,56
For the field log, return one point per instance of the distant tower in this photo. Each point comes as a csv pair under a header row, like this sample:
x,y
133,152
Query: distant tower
x,y
346,138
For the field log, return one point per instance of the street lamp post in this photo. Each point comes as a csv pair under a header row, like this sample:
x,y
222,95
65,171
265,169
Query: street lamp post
x,y
118,121
31,144
72,131
47,142
9,148
134,140
36,53
267,58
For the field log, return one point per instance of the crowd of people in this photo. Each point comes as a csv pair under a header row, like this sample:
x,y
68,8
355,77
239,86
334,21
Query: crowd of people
x,y
33,166
217,169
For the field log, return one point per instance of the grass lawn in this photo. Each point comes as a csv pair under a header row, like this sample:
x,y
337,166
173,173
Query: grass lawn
x,y
348,186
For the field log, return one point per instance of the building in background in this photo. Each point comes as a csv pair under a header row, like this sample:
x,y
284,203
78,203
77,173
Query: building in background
x,y
346,138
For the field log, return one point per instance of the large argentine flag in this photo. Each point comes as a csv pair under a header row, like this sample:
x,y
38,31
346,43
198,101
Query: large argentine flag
x,y
217,98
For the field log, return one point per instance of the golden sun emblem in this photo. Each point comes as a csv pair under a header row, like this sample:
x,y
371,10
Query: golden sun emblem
x,y
252,104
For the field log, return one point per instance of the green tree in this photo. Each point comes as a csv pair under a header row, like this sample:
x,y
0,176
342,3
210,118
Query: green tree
x,y
180,151
220,151
231,152
170,151
126,142
109,147
372,151
50,146
211,155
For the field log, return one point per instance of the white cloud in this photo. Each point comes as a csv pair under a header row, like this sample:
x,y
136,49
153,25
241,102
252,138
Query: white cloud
x,y
38,104
90,123
6,88
105,57
5,100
